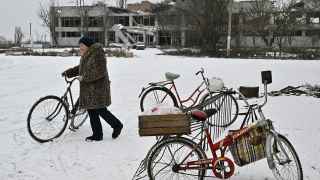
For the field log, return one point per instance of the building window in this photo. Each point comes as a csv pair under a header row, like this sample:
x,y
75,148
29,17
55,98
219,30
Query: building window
x,y
152,20
140,38
313,33
297,33
111,36
124,20
95,21
70,22
164,38
137,20
146,21
97,36
70,34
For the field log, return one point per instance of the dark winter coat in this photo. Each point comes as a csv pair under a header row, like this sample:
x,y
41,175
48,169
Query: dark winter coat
x,y
95,85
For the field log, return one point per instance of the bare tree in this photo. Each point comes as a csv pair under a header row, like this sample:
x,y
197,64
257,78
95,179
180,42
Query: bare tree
x,y
18,36
49,18
286,19
314,4
274,21
207,19
258,23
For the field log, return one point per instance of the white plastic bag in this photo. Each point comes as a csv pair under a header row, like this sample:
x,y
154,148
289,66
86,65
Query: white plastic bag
x,y
162,109
215,84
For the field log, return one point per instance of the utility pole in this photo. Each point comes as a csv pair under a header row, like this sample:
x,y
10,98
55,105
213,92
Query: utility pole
x,y
31,41
229,26
83,15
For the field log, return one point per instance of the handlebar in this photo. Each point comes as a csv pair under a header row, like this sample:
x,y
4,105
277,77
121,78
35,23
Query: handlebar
x,y
71,79
200,71
206,81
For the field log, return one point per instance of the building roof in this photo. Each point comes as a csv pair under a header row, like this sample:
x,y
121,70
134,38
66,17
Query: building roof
x,y
144,6
120,10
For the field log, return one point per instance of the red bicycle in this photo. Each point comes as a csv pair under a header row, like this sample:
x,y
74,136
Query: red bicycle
x,y
207,95
182,158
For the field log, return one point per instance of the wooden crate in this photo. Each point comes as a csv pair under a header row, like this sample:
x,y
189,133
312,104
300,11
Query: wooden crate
x,y
160,125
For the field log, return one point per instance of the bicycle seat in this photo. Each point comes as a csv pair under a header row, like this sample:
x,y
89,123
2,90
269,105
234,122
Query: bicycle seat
x,y
171,76
203,115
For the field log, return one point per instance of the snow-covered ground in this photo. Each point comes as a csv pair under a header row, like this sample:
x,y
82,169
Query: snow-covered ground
x,y
23,80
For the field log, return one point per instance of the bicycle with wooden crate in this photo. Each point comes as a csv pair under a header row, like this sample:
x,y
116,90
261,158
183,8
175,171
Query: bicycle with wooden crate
x,y
178,157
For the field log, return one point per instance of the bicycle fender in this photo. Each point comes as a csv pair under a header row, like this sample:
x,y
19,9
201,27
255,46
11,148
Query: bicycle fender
x,y
269,151
207,94
144,89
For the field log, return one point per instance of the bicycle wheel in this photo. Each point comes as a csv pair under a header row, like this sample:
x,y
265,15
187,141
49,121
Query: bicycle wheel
x,y
286,163
172,154
226,106
47,119
79,118
155,96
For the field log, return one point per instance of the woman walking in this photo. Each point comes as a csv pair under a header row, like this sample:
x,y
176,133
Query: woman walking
x,y
94,88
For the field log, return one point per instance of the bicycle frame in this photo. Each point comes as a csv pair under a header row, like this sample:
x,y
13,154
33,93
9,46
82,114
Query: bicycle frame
x,y
65,100
194,97
69,92
223,144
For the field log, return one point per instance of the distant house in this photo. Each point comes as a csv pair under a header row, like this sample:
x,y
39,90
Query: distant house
x,y
304,34
105,24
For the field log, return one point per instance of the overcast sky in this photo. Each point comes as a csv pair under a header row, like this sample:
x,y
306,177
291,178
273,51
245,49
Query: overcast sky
x,y
23,12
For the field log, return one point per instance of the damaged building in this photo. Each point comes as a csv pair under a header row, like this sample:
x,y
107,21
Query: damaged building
x,y
141,22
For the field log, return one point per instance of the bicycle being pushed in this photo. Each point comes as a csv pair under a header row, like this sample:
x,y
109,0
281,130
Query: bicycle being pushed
x,y
181,158
49,116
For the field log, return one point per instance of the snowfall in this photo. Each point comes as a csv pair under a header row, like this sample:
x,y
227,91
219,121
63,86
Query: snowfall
x,y
25,79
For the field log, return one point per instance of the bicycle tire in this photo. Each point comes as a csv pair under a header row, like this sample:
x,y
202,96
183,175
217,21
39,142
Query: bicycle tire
x,y
226,105
58,107
275,151
79,118
170,143
166,92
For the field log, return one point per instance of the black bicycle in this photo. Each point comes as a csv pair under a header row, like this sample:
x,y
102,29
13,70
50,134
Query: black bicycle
x,y
49,116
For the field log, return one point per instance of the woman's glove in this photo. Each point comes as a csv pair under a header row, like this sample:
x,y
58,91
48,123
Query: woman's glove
x,y
64,73
67,73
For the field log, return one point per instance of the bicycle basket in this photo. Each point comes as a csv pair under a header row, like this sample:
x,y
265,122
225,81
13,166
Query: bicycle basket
x,y
250,147
215,84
